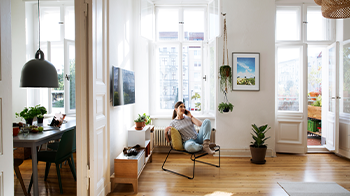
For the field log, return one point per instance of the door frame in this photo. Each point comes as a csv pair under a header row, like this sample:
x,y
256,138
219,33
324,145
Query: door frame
x,y
82,106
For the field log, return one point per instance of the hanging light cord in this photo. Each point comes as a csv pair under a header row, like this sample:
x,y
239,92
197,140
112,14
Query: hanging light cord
x,y
39,22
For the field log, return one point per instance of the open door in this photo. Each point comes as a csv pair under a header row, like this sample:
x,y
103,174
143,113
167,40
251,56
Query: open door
x,y
98,102
6,144
93,170
291,99
344,101
330,102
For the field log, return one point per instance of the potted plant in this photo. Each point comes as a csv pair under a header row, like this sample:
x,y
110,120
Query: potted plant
x,y
225,76
147,118
139,123
41,110
258,148
225,107
27,114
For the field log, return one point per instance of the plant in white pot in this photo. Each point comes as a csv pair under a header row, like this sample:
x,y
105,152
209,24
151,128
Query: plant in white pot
x,y
258,147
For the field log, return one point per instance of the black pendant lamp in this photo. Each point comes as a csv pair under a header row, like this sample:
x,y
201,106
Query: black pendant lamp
x,y
39,72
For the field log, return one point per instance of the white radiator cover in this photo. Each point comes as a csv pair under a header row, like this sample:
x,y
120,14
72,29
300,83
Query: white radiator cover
x,y
160,141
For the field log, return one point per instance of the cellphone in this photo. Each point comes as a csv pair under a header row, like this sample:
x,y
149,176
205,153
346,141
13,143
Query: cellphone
x,y
186,112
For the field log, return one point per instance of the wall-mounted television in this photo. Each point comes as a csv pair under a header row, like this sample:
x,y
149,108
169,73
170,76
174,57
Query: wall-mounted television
x,y
122,86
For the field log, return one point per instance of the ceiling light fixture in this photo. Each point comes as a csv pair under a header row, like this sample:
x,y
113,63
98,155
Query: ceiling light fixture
x,y
38,72
334,9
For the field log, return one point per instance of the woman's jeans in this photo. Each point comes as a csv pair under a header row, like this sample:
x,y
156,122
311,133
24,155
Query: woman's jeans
x,y
195,145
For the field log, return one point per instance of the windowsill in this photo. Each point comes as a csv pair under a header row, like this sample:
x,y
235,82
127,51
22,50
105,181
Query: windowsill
x,y
52,115
167,117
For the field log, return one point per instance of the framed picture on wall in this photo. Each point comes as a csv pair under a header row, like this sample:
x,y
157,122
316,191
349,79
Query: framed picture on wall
x,y
246,71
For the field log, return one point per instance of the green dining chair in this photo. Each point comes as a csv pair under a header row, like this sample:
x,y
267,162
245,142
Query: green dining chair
x,y
63,153
54,146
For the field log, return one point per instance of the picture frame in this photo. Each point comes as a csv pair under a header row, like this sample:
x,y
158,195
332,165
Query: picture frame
x,y
245,71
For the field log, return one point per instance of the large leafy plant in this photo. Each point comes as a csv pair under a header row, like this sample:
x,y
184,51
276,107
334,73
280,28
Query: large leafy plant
x,y
259,137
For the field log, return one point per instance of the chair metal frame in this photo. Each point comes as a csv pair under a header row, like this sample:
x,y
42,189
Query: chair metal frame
x,y
194,157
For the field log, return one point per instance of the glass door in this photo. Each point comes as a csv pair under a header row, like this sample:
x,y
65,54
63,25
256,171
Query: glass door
x,y
330,108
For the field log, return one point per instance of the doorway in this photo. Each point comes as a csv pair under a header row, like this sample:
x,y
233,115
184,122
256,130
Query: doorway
x,y
314,101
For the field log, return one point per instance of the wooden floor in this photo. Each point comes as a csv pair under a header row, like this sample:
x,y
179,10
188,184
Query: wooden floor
x,y
236,176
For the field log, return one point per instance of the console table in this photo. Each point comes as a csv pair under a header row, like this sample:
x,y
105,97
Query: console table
x,y
127,169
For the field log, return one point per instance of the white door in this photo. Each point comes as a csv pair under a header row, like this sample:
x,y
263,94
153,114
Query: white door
x,y
344,101
6,144
291,99
98,98
91,94
330,99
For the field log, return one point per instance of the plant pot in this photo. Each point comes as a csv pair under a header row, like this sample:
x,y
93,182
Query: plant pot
x,y
15,131
314,94
40,120
226,110
258,154
139,125
29,121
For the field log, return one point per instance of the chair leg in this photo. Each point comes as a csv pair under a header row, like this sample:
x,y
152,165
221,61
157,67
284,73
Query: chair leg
x,y
72,160
59,177
30,184
47,170
177,172
195,158
19,176
72,169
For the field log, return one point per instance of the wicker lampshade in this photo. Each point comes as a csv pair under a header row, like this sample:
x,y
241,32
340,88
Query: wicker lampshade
x,y
334,9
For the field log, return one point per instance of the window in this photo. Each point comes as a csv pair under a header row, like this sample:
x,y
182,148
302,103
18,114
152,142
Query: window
x,y
318,28
57,34
289,66
345,79
288,23
179,73
299,28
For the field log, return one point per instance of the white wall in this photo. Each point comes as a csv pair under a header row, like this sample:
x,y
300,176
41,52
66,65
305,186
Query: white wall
x,y
19,95
250,28
120,51
346,29
141,65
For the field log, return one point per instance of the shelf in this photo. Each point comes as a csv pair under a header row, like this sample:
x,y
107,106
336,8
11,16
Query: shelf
x,y
316,133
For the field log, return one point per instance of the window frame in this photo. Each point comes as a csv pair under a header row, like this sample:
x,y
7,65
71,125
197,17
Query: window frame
x,y
303,26
304,44
180,43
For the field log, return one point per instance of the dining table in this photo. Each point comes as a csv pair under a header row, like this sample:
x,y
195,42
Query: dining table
x,y
34,140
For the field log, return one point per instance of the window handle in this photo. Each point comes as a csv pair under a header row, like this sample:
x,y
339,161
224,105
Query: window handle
x,y
205,77
67,77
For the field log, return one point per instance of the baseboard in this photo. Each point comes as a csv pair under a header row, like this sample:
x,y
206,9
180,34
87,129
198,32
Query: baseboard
x,y
243,153
224,152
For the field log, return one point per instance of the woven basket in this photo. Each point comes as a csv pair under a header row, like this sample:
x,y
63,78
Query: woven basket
x,y
334,9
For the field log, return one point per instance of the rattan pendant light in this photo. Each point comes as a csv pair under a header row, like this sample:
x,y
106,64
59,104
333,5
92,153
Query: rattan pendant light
x,y
334,9
38,72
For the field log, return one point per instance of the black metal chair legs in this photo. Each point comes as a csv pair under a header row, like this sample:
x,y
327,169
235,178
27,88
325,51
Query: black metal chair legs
x,y
194,157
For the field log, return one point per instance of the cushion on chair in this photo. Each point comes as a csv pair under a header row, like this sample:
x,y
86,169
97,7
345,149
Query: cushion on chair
x,y
176,139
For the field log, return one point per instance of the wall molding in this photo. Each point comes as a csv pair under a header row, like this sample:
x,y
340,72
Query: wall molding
x,y
224,152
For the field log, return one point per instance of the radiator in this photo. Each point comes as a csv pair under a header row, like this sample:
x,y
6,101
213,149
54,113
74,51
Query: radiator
x,y
160,141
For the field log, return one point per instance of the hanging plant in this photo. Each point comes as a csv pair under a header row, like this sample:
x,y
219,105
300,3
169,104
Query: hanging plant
x,y
225,69
225,77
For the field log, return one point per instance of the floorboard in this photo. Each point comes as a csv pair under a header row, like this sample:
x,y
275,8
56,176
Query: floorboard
x,y
236,176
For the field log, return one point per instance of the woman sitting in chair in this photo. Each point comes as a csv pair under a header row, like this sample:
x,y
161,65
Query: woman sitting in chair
x,y
183,121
